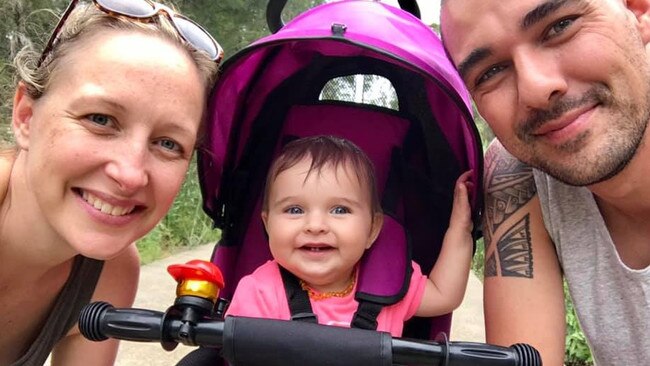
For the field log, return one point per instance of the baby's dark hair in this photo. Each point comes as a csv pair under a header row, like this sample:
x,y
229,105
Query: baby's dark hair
x,y
325,151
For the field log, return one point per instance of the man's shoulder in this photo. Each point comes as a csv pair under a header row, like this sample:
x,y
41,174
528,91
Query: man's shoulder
x,y
497,153
502,168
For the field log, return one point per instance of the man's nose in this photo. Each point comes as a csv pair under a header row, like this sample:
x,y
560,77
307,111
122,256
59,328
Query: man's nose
x,y
540,77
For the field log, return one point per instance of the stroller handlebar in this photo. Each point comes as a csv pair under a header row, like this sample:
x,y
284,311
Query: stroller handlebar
x,y
252,341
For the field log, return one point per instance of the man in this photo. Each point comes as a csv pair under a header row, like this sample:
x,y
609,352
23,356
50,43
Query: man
x,y
565,86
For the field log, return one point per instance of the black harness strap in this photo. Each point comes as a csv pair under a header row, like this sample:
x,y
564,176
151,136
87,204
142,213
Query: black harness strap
x,y
366,315
364,318
298,298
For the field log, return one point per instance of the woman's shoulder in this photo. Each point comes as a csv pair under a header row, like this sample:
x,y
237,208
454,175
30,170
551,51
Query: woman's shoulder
x,y
7,159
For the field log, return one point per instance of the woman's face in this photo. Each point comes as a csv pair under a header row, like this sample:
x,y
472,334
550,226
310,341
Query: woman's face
x,y
108,145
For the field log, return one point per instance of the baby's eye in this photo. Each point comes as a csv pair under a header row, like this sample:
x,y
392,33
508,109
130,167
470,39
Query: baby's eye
x,y
294,210
100,119
340,210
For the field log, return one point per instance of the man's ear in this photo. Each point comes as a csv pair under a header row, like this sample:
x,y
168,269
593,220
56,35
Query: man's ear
x,y
22,115
377,224
641,10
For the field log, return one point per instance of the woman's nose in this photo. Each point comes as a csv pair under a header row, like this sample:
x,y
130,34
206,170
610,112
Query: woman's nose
x,y
128,168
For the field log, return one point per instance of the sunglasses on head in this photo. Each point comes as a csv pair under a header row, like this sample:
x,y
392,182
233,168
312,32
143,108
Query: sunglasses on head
x,y
145,11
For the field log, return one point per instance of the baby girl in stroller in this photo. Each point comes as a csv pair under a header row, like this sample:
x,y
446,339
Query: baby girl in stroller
x,y
321,211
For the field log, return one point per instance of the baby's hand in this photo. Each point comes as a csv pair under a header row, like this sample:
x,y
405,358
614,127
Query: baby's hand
x,y
461,213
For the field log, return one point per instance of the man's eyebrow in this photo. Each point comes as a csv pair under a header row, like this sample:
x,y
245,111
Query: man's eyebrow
x,y
532,17
541,11
477,55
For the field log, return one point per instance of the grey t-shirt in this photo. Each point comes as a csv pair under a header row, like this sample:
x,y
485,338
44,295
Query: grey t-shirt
x,y
612,300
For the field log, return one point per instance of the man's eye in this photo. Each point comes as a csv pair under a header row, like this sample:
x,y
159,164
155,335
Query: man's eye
x,y
487,75
293,210
100,119
340,210
559,27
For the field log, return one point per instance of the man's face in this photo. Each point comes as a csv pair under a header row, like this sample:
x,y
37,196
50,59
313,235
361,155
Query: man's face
x,y
564,84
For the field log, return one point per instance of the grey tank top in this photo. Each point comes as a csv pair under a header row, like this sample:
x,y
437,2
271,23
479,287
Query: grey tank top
x,y
76,293
612,301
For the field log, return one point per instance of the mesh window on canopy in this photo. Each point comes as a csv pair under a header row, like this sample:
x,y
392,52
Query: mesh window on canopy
x,y
362,89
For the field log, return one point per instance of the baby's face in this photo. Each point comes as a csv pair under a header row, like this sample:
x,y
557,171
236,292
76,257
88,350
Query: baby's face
x,y
319,227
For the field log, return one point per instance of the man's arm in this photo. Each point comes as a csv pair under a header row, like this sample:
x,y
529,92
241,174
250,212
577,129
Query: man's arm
x,y
523,293
117,285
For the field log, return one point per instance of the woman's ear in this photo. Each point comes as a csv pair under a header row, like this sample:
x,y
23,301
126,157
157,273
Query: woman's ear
x,y
377,224
641,10
22,115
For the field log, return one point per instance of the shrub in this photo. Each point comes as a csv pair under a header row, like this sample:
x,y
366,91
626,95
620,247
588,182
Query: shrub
x,y
577,350
185,226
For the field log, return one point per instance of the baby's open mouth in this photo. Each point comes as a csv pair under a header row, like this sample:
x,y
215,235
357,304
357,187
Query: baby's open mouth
x,y
317,247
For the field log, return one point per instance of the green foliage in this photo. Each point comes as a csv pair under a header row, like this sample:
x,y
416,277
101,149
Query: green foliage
x,y
577,349
483,129
24,22
237,23
478,261
185,226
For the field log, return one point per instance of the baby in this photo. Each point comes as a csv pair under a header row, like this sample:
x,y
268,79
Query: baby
x,y
321,211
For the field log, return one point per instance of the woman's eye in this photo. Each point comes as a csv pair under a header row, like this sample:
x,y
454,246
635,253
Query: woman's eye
x,y
293,210
100,119
340,210
559,27
169,145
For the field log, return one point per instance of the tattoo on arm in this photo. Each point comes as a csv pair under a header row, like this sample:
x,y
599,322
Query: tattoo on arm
x,y
490,266
509,185
514,250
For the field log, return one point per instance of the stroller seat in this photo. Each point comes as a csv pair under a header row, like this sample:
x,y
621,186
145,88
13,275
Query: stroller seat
x,y
377,133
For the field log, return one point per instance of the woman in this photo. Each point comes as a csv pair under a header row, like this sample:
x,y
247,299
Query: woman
x,y
105,122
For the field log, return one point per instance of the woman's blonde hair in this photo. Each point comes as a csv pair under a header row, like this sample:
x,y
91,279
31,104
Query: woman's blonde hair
x,y
85,20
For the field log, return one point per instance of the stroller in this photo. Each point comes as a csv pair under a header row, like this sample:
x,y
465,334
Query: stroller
x,y
360,70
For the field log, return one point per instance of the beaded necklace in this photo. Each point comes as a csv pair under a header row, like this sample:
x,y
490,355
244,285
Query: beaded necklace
x,y
314,295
